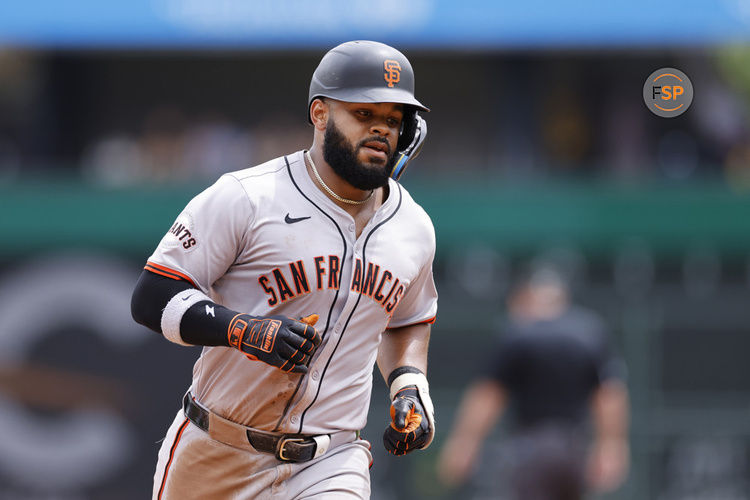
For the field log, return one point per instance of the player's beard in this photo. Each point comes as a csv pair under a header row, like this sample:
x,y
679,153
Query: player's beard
x,y
339,153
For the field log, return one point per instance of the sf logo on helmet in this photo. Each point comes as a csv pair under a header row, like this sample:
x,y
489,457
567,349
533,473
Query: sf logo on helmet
x,y
392,71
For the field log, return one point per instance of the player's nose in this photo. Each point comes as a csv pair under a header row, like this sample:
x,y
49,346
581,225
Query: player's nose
x,y
380,127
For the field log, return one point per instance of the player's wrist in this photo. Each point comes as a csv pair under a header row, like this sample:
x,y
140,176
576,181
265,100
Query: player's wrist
x,y
206,323
401,370
174,312
404,376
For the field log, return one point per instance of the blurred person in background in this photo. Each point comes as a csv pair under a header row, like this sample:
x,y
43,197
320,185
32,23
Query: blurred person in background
x,y
554,364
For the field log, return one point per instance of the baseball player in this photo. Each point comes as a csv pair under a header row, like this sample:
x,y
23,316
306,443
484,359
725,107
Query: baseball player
x,y
296,276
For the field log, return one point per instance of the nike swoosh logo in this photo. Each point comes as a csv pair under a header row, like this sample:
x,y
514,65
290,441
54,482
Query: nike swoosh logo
x,y
186,298
292,220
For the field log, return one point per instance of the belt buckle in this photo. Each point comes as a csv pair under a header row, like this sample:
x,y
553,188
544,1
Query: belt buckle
x,y
283,443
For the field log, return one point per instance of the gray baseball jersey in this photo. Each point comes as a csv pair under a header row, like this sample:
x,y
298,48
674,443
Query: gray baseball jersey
x,y
265,241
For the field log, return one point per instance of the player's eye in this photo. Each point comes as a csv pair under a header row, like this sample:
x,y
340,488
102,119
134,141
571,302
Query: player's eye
x,y
364,113
394,122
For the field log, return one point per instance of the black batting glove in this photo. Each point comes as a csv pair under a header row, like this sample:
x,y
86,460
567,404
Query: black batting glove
x,y
279,341
409,429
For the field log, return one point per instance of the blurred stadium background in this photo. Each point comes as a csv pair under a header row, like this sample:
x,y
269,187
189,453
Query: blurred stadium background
x,y
114,114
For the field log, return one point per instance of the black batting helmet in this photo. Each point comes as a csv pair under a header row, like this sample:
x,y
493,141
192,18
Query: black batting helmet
x,y
364,71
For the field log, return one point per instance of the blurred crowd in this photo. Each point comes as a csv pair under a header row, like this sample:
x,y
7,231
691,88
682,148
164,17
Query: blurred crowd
x,y
129,118
171,147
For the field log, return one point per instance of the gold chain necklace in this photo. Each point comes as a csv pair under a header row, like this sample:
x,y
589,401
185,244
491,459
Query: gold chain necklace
x,y
329,190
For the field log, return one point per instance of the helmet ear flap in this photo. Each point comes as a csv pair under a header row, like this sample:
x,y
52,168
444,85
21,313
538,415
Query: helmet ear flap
x,y
408,128
410,141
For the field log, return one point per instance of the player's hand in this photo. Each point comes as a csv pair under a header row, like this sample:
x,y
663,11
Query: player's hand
x,y
409,429
280,341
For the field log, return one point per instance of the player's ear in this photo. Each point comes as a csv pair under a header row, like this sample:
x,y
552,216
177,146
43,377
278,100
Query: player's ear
x,y
319,110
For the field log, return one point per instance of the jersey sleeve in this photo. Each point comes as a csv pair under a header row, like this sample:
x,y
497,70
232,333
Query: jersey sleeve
x,y
419,304
206,237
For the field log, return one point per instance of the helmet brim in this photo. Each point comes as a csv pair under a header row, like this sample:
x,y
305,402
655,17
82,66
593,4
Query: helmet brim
x,y
374,95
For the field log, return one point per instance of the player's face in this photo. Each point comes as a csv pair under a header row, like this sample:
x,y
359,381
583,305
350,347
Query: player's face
x,y
360,141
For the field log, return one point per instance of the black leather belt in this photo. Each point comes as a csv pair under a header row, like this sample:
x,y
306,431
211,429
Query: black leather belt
x,y
285,447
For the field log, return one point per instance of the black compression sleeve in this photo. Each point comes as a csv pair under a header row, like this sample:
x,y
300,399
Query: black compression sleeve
x,y
150,297
204,323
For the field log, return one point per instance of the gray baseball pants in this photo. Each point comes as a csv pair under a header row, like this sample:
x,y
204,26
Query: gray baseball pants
x,y
194,465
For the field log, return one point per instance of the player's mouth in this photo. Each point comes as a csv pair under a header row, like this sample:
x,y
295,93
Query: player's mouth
x,y
377,149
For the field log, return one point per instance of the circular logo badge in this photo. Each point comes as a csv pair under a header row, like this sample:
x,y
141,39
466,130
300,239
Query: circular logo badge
x,y
668,92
